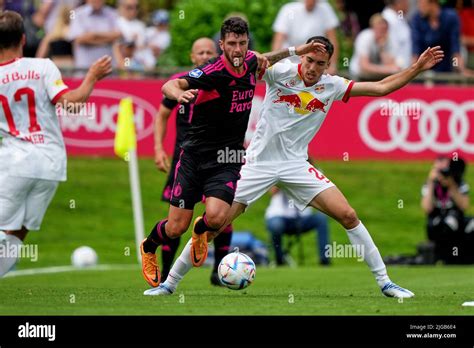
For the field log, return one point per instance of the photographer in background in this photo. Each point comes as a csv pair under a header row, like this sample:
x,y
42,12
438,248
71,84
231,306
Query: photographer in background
x,y
445,199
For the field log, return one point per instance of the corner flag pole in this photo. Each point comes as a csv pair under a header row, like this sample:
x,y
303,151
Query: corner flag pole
x,y
125,146
136,200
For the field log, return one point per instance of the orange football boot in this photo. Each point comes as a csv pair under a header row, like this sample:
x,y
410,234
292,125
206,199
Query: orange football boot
x,y
150,268
198,246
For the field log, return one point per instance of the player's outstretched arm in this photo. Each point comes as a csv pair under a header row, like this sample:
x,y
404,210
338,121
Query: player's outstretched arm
x,y
277,55
101,68
426,61
160,126
178,90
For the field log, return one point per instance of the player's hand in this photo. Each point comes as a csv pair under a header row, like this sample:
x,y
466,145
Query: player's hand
x,y
101,67
187,96
310,47
162,161
429,58
262,62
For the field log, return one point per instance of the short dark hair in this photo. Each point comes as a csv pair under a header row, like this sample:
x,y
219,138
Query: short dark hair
x,y
327,44
234,25
11,29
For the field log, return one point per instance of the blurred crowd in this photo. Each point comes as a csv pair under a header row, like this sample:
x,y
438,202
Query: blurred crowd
x,y
372,38
76,33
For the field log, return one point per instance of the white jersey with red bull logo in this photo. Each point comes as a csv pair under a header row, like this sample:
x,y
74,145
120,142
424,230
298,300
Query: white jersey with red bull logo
x,y
32,144
292,112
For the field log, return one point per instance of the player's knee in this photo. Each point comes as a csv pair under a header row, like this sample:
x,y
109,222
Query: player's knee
x,y
349,218
215,219
174,229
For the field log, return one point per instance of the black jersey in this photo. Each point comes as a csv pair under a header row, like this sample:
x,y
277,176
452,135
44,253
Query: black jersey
x,y
221,110
182,117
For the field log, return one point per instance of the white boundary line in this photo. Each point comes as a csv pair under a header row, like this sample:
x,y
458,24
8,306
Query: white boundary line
x,y
61,269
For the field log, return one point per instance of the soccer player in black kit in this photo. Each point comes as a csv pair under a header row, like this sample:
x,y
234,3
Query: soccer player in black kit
x,y
202,51
221,93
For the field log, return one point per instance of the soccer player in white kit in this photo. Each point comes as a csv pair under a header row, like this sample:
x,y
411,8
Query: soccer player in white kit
x,y
32,151
297,101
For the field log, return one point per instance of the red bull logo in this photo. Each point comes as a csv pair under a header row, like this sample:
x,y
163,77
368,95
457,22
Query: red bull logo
x,y
303,103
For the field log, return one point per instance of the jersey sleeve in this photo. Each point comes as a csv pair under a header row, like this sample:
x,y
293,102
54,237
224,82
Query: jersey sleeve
x,y
53,82
169,103
198,79
342,88
277,71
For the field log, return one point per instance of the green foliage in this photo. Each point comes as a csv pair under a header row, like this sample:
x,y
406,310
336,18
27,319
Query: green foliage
x,y
190,20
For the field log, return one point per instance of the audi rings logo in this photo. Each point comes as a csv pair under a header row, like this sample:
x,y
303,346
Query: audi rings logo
x,y
428,125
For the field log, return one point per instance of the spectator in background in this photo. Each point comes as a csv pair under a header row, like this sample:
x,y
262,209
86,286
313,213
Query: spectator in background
x,y
434,26
48,12
373,56
94,31
158,36
283,218
217,36
349,22
296,21
395,13
134,31
445,199
33,33
25,8
466,15
55,44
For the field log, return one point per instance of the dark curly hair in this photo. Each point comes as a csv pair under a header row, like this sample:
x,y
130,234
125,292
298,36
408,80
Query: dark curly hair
x,y
234,25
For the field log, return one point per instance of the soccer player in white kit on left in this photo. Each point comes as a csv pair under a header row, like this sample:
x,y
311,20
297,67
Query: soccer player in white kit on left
x,y
32,151
297,100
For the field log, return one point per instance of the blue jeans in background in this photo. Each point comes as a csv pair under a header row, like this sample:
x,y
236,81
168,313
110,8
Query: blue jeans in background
x,y
278,226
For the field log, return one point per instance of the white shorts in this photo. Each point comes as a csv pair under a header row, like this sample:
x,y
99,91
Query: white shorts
x,y
299,179
23,201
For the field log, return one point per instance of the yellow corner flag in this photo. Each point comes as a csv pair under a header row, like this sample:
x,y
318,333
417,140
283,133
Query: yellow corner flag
x,y
125,137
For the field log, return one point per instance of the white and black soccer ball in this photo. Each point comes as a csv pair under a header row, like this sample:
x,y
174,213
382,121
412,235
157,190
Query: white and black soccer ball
x,y
236,271
84,256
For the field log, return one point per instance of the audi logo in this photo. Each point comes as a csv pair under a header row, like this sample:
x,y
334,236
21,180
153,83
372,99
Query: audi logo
x,y
428,127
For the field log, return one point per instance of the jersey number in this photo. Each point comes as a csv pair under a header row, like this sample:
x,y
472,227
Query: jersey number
x,y
318,175
30,97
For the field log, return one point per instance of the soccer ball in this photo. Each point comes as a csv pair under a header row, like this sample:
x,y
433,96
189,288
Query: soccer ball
x,y
84,256
236,271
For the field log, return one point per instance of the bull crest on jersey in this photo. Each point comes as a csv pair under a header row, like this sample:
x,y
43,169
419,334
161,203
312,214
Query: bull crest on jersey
x,y
302,103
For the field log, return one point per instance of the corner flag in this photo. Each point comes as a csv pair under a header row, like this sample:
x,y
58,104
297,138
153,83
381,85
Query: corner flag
x,y
125,146
125,137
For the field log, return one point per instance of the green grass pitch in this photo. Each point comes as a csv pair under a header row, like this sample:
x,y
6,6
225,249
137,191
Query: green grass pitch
x,y
94,208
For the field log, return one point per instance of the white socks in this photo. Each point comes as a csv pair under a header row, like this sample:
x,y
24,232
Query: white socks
x,y
180,267
8,241
360,238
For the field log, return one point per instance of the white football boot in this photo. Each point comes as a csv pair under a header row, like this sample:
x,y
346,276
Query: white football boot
x,y
393,290
161,290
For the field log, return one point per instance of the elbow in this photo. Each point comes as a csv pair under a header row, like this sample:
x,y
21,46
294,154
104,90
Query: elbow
x,y
382,90
164,90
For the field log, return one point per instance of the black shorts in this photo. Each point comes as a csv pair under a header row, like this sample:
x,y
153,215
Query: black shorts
x,y
166,195
196,177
